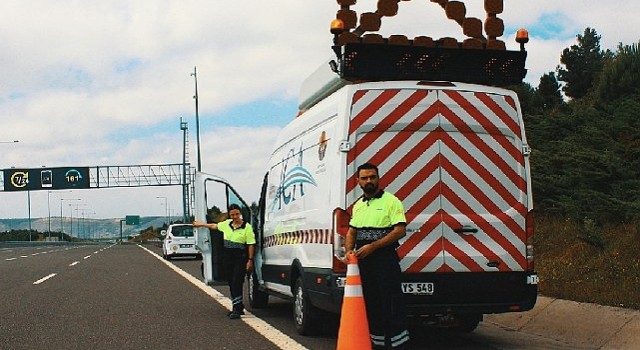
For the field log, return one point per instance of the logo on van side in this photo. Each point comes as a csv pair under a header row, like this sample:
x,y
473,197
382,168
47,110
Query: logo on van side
x,y
322,149
292,180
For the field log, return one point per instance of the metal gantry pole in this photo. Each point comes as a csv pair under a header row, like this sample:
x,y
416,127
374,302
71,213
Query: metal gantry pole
x,y
184,126
49,211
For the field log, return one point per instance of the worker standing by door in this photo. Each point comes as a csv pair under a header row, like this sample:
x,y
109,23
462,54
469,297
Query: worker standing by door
x,y
238,251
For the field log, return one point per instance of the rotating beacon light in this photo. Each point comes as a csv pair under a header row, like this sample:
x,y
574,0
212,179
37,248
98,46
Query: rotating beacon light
x,y
337,28
522,37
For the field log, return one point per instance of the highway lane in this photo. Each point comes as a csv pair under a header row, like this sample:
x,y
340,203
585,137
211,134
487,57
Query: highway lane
x,y
124,296
117,297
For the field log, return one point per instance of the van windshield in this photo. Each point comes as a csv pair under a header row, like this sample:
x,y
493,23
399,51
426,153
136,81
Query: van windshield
x,y
182,231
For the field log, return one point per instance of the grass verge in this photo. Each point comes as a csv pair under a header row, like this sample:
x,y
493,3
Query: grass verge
x,y
587,262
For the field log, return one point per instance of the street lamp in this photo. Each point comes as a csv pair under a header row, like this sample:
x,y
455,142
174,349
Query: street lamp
x,y
166,209
195,97
71,220
61,222
49,211
82,231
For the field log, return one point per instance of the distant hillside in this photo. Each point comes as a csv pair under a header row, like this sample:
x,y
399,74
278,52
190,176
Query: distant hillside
x,y
85,228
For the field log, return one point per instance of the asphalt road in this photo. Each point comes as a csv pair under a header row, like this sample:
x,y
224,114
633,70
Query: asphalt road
x,y
126,297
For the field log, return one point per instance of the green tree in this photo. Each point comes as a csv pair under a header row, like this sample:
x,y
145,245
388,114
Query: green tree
x,y
583,63
526,96
548,92
215,214
621,74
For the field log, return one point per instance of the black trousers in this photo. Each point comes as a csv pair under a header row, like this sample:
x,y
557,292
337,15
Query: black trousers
x,y
235,263
386,311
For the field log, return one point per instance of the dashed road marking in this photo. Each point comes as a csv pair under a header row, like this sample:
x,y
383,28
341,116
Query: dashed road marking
x,y
74,263
44,279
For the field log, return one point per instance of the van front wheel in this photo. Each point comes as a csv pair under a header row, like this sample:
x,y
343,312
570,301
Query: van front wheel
x,y
305,314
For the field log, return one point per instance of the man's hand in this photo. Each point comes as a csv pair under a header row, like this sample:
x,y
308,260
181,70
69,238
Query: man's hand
x,y
250,265
365,251
347,255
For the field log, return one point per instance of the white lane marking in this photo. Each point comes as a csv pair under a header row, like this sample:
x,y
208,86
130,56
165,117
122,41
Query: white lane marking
x,y
273,335
34,254
87,257
44,279
74,263
96,252
10,259
23,256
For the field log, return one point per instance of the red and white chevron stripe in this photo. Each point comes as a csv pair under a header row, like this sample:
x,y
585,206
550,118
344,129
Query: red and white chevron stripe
x,y
454,158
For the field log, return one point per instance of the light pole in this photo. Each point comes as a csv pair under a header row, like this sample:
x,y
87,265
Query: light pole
x,y
61,220
82,231
166,209
71,220
195,77
49,211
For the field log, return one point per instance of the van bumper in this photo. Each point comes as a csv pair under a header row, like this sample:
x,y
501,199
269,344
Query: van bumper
x,y
471,292
454,293
325,288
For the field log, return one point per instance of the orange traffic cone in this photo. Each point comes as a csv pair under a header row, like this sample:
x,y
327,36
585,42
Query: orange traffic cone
x,y
354,326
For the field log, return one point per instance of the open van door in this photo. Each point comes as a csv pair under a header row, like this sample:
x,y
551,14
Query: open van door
x,y
211,247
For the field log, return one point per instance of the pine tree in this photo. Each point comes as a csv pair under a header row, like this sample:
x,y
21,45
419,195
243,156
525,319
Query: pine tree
x,y
583,63
549,92
621,74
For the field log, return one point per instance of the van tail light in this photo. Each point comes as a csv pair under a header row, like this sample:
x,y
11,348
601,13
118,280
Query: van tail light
x,y
529,240
340,227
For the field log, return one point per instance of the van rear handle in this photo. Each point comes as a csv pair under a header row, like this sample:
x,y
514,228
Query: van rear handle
x,y
466,230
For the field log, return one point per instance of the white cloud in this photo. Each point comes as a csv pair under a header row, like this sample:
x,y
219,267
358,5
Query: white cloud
x,y
104,83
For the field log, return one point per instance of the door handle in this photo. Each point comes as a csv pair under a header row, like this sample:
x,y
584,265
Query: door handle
x,y
466,230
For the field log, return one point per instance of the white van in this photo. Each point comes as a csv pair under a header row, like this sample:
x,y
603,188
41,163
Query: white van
x,y
457,157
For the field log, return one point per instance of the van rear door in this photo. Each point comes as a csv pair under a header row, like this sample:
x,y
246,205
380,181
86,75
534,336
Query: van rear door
x,y
454,158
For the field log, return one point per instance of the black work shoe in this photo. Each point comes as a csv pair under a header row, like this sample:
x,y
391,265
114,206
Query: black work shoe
x,y
235,315
237,312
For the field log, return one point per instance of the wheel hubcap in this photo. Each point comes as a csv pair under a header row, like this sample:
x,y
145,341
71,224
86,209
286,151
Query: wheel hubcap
x,y
298,307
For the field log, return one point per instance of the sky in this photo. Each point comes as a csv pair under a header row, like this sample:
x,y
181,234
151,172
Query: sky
x,y
105,83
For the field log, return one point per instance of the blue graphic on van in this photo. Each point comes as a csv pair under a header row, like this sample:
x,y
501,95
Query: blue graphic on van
x,y
292,180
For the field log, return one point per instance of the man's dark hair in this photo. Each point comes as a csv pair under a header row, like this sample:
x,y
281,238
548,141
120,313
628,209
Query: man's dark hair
x,y
367,166
234,206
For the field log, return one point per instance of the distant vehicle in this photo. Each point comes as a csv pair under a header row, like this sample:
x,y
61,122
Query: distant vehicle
x,y
179,241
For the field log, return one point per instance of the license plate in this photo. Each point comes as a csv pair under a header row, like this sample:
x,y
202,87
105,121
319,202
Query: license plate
x,y
186,245
418,288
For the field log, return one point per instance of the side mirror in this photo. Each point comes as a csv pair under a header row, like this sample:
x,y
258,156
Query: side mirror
x,y
163,232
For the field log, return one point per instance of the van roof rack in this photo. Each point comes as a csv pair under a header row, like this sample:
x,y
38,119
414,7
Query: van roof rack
x,y
378,62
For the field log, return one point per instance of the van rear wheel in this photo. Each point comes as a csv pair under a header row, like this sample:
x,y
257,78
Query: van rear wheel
x,y
257,298
305,315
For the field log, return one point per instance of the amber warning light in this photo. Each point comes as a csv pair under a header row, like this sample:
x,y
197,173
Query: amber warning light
x,y
522,37
337,26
